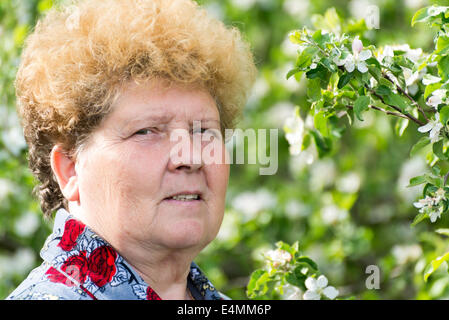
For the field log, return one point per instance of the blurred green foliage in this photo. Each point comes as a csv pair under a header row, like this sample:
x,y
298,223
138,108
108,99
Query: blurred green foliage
x,y
347,210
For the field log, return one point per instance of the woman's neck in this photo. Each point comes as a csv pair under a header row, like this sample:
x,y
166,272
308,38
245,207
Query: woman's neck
x,y
164,273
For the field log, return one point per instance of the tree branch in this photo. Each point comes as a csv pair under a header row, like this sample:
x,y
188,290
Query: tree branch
x,y
383,110
386,76
409,116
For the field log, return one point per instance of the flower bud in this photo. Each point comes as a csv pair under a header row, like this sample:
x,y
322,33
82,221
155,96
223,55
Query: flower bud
x,y
357,45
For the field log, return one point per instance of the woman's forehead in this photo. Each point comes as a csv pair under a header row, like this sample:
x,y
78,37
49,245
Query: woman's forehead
x,y
163,104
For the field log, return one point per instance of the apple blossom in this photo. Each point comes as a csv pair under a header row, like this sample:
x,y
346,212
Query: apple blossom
x,y
356,59
434,126
318,287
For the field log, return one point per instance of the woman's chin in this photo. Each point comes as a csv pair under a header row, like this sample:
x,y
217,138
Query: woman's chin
x,y
186,234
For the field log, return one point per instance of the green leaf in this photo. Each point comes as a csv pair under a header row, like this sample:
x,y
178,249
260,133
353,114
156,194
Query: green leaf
x,y
293,72
435,264
319,72
442,46
420,16
321,123
257,284
383,90
314,90
361,105
419,217
415,181
323,145
20,33
443,68
44,5
397,100
437,149
444,115
309,262
297,280
295,37
443,231
424,141
344,79
305,58
401,125
434,181
431,88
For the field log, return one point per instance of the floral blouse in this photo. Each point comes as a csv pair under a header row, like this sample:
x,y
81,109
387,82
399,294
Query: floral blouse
x,y
79,265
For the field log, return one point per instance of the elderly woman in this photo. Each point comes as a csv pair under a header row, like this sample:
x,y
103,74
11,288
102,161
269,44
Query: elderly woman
x,y
101,88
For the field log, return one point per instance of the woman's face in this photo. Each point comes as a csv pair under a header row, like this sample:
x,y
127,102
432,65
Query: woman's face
x,y
125,173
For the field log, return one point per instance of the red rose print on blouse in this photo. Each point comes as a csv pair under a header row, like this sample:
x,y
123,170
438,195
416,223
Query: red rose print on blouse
x,y
72,229
152,295
101,265
74,266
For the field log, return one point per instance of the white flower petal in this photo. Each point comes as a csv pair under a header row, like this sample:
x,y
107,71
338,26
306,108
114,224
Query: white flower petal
x,y
429,79
434,215
434,101
426,127
339,62
294,137
295,149
330,292
311,295
440,93
311,284
321,282
361,66
434,10
418,205
349,65
365,54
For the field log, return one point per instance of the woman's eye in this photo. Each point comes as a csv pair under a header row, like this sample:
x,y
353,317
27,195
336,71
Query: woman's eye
x,y
145,131
207,133
202,130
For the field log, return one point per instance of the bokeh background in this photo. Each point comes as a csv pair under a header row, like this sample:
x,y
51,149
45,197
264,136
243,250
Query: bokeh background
x,y
348,210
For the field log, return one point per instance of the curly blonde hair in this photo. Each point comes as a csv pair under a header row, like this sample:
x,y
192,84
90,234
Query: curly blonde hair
x,y
78,57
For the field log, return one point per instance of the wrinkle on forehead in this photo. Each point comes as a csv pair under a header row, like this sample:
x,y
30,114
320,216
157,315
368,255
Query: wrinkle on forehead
x,y
136,104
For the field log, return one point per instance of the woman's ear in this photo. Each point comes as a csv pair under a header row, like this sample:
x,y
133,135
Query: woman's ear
x,y
63,167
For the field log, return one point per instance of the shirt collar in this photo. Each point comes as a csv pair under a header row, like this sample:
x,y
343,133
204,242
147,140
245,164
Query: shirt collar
x,y
81,259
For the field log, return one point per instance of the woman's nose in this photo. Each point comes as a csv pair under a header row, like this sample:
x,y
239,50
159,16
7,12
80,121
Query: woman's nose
x,y
185,151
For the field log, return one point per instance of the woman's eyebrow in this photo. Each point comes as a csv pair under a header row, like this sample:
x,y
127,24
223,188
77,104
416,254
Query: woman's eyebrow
x,y
153,118
207,120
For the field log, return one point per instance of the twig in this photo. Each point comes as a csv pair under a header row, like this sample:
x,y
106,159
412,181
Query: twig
x,y
386,76
382,110
394,107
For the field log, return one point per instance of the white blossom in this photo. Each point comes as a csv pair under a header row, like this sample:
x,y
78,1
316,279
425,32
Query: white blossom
x,y
356,59
318,287
278,257
431,205
438,96
294,133
434,11
251,203
435,214
434,127
388,51
429,79
406,253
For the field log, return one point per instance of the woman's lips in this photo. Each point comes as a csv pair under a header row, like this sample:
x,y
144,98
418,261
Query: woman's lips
x,y
186,203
